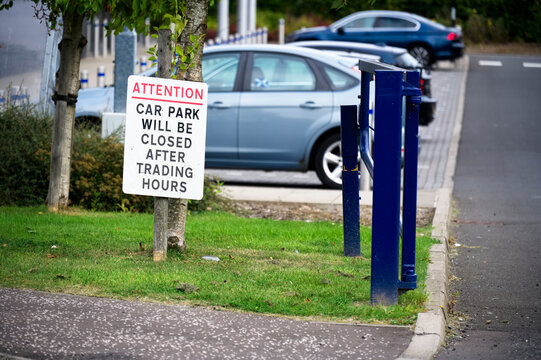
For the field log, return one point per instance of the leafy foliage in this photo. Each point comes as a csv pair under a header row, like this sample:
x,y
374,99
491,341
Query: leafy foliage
x,y
23,174
96,168
517,20
182,58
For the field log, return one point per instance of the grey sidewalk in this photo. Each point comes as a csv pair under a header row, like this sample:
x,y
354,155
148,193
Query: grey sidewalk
x,y
40,325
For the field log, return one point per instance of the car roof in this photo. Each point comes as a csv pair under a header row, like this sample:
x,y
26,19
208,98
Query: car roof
x,y
396,13
351,45
318,55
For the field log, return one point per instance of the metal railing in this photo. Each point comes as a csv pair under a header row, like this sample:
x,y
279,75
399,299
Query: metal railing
x,y
392,84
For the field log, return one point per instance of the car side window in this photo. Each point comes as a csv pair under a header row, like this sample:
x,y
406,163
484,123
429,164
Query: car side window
x,y
220,71
360,23
271,72
391,22
339,80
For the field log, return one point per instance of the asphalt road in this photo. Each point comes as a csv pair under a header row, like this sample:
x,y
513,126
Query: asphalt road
x,y
497,226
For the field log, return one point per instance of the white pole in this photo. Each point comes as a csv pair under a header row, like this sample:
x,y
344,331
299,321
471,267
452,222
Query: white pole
x,y
101,76
104,38
84,79
265,35
252,19
96,37
147,37
112,44
88,34
143,64
223,20
242,18
281,31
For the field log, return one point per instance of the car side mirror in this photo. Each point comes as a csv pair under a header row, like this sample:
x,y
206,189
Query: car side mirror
x,y
340,31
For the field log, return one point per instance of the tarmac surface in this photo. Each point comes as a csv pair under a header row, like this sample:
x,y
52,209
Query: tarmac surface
x,y
37,325
496,228
40,325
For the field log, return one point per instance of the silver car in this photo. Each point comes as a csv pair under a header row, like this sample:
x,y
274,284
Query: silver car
x,y
271,107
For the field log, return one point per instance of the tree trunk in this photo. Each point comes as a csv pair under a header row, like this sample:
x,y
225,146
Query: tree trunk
x,y
196,13
65,97
161,204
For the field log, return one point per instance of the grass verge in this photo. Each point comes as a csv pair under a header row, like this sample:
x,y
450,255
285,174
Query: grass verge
x,y
290,268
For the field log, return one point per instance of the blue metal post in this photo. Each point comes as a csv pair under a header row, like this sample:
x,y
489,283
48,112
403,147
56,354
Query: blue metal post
x,y
364,111
409,206
386,195
350,180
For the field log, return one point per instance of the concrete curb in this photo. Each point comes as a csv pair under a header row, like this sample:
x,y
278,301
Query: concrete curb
x,y
431,325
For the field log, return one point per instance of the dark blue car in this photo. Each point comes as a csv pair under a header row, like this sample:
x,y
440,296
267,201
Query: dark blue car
x,y
425,39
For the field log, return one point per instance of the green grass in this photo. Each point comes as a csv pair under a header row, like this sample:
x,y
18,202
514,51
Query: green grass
x,y
291,268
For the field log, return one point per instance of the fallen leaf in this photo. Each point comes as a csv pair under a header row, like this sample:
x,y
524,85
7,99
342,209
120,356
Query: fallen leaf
x,y
231,257
308,300
34,269
62,277
52,256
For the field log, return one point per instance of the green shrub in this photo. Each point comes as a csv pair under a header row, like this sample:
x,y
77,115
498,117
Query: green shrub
x,y
24,171
96,167
96,174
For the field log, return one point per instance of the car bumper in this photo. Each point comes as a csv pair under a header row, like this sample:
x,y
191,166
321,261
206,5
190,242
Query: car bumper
x,y
427,110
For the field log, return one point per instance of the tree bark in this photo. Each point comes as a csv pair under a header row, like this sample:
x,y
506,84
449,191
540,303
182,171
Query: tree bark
x,y
196,13
65,97
161,204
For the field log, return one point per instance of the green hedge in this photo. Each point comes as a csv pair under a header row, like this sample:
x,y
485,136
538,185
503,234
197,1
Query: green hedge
x,y
96,168
497,20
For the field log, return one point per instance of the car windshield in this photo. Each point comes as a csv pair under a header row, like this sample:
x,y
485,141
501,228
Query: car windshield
x,y
405,60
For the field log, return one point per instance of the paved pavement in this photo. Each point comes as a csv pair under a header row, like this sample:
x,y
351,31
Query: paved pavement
x,y
53,326
497,225
39,325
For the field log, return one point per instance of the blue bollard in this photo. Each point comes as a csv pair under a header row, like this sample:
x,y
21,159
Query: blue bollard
x,y
386,195
350,180
409,203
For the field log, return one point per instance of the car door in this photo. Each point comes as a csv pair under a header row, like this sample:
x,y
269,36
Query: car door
x,y
220,72
357,29
282,108
394,31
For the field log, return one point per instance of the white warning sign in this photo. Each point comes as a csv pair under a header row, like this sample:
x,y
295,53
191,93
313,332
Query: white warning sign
x,y
164,144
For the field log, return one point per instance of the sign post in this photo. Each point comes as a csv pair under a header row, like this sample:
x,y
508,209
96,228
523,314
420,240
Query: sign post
x,y
164,152
164,143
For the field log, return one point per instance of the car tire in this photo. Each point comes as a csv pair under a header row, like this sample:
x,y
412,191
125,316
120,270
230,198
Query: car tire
x,y
328,162
422,54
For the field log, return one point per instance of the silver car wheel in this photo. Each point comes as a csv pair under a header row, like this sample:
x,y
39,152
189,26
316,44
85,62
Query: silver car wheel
x,y
332,162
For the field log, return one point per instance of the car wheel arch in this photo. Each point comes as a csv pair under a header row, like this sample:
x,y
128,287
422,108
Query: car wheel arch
x,y
317,143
